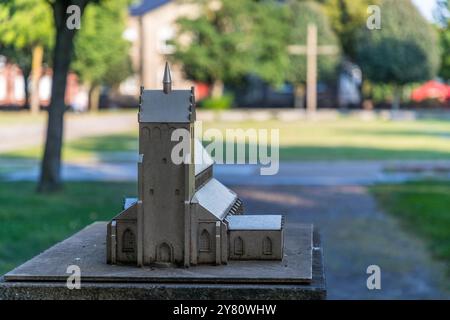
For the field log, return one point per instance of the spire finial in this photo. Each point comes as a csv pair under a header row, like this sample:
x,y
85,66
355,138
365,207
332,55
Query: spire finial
x,y
167,79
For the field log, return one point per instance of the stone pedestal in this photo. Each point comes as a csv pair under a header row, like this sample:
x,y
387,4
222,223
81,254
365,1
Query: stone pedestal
x,y
299,276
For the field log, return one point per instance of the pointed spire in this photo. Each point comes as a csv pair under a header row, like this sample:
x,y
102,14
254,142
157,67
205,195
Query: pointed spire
x,y
167,79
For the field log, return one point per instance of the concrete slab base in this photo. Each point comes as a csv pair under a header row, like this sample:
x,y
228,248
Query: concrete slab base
x,y
299,276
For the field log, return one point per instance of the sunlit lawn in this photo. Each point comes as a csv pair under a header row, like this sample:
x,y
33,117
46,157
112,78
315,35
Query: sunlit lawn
x,y
422,208
346,138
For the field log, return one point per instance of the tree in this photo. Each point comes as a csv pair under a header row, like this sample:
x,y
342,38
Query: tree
x,y
346,18
300,15
101,52
50,178
404,50
443,15
444,38
22,33
231,39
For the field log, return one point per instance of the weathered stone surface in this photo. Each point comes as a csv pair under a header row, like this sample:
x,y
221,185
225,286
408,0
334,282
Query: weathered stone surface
x,y
86,249
142,288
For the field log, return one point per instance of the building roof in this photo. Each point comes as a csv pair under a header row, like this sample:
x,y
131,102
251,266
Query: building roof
x,y
215,198
255,222
129,202
175,107
202,158
143,6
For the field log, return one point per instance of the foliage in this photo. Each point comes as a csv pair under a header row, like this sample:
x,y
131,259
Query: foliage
x,y
404,50
444,38
25,23
232,40
101,53
346,18
300,15
219,103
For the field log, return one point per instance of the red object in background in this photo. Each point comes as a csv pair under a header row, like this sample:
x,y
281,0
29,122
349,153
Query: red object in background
x,y
201,90
431,90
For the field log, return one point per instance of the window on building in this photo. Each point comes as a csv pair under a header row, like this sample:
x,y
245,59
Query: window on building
x,y
205,241
128,241
267,246
238,246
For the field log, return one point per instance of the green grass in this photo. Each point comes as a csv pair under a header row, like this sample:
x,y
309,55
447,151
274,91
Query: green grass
x,y
31,222
423,208
344,139
352,139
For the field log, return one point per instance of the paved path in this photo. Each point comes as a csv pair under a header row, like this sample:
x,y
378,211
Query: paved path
x,y
19,136
355,234
319,173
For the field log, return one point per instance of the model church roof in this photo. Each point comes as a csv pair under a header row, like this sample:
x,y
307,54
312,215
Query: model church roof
x,y
167,105
215,198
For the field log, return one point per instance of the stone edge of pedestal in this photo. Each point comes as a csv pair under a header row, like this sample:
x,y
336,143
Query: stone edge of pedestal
x,y
28,290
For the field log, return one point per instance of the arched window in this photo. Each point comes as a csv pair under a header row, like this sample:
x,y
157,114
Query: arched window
x,y
267,246
205,241
238,246
156,133
128,241
164,253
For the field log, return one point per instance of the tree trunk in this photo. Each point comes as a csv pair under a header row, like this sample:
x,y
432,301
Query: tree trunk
x,y
299,96
26,73
36,71
50,179
396,99
217,89
94,98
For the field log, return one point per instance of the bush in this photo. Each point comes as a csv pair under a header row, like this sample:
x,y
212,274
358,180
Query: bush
x,y
220,103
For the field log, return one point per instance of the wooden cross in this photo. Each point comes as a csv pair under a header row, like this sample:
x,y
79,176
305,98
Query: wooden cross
x,y
312,50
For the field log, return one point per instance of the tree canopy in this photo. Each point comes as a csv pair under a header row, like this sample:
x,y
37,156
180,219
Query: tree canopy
x,y
25,23
346,18
404,50
300,15
101,52
233,39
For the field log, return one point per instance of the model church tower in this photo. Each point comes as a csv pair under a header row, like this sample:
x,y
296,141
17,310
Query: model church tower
x,y
183,216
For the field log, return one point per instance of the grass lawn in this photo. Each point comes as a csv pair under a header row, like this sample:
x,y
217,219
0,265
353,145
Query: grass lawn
x,y
345,139
30,223
423,208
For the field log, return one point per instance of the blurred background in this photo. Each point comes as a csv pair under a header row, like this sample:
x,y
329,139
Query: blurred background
x,y
359,90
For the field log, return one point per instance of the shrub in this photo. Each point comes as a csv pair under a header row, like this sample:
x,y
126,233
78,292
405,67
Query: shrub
x,y
217,103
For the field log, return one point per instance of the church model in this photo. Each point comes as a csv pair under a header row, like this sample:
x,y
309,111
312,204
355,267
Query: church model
x,y
183,216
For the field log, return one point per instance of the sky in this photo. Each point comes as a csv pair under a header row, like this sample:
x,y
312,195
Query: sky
x,y
426,7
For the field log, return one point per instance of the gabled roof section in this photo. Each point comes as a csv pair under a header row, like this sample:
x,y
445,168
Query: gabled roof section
x,y
176,106
143,6
201,157
215,198
255,222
